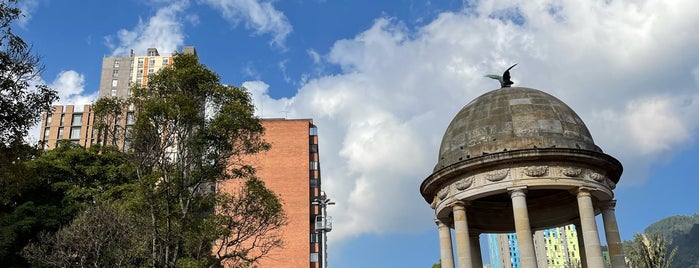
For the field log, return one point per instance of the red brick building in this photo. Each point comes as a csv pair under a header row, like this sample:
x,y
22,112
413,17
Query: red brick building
x,y
291,169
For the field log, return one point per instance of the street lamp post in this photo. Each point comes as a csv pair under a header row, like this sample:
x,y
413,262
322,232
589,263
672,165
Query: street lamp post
x,y
323,225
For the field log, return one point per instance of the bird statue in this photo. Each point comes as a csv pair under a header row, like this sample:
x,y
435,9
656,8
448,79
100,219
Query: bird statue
x,y
504,79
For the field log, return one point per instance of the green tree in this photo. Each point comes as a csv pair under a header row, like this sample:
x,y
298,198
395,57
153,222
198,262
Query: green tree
x,y
51,188
20,106
249,224
108,114
103,235
650,251
27,204
191,132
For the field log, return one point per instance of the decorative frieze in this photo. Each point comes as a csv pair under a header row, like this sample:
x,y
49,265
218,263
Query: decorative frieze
x,y
497,175
571,172
443,192
464,183
596,176
535,171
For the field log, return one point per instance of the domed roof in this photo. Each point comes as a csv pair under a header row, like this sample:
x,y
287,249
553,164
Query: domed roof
x,y
512,119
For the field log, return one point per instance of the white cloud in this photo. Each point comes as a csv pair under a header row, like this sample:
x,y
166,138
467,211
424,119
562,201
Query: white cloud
x,y
381,119
162,31
71,89
70,86
27,7
260,16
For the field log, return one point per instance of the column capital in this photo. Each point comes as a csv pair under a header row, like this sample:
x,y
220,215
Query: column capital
x,y
439,223
608,205
584,191
459,205
517,191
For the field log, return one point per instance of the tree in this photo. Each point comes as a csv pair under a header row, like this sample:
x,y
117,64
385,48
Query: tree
x,y
20,107
26,203
101,236
249,225
191,132
650,251
49,189
108,114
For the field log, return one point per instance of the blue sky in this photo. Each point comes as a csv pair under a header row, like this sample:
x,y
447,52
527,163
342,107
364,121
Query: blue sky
x,y
382,80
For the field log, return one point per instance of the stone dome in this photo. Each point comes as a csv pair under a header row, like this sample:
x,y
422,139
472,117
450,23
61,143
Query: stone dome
x,y
510,119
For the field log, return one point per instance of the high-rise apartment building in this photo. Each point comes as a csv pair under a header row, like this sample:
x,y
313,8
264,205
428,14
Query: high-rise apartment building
x,y
555,247
119,74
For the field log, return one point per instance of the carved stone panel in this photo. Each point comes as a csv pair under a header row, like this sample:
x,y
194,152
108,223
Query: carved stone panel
x,y
596,176
535,171
497,175
571,172
443,192
464,183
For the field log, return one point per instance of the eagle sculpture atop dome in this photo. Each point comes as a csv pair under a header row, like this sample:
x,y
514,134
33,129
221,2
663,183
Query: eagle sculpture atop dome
x,y
505,80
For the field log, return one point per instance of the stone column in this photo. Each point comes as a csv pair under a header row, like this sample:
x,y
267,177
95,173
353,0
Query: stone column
x,y
525,240
611,232
476,250
446,252
463,247
581,245
593,249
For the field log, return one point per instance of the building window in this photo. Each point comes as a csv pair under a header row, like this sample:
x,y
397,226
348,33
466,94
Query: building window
x,y
77,120
314,148
115,73
314,257
116,63
139,81
140,62
140,72
60,133
63,119
314,183
74,133
114,91
313,131
46,133
314,238
151,70
314,165
115,83
48,119
165,61
151,62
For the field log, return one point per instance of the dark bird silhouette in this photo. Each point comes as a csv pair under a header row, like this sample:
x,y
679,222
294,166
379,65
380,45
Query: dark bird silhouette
x,y
505,79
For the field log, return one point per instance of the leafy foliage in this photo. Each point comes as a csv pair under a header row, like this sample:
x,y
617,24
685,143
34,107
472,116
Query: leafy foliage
x,y
20,107
101,236
682,232
250,223
181,151
650,251
108,114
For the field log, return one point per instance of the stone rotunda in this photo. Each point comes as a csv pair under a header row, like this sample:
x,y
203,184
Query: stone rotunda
x,y
519,160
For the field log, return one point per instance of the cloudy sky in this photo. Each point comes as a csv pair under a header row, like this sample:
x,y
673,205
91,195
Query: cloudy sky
x,y
382,80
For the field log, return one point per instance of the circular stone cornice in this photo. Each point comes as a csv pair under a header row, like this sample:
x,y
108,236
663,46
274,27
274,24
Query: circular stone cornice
x,y
536,157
